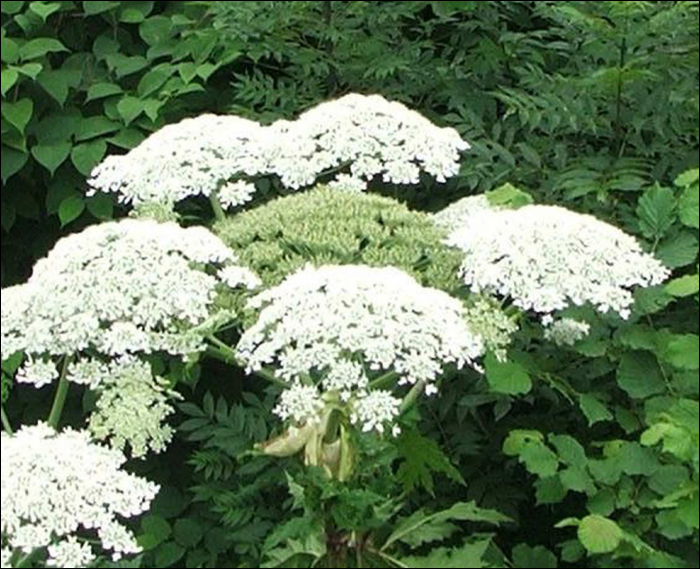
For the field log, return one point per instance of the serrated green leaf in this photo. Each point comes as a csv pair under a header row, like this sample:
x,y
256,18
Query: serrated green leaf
x,y
102,90
87,155
639,375
39,47
656,211
507,377
421,457
70,209
688,205
599,535
570,450
687,178
682,352
18,114
470,555
679,250
528,557
51,156
7,79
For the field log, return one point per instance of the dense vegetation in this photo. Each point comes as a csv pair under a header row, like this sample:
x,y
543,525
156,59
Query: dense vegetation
x,y
583,455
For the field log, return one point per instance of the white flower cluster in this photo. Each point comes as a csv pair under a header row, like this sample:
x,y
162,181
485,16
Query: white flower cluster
x,y
195,156
460,213
118,287
207,154
546,258
132,405
55,486
300,403
566,331
372,410
324,321
236,277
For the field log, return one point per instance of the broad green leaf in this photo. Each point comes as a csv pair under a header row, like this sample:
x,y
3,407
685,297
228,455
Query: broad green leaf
x,y
679,250
55,83
8,216
570,450
124,65
508,195
30,69
577,480
104,46
12,162
91,8
127,138
101,90
18,114
683,286
156,29
58,126
70,209
10,49
598,534
682,352
639,375
593,409
528,557
188,532
130,108
87,155
187,71
152,81
11,7
651,300
688,206
206,69
687,178
549,490
91,127
507,377
135,12
39,47
51,156
7,79
532,452
101,206
602,502
59,190
656,211
44,9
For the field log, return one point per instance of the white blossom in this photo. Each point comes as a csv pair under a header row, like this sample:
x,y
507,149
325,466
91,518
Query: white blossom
x,y
56,486
566,331
235,277
381,316
195,156
132,407
37,372
363,134
345,377
374,409
301,403
546,258
70,553
460,213
119,287
233,194
6,558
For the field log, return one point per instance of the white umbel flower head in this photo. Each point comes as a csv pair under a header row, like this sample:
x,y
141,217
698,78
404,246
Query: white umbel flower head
x,y
566,331
300,404
55,486
118,287
460,213
234,194
322,317
546,258
195,156
374,409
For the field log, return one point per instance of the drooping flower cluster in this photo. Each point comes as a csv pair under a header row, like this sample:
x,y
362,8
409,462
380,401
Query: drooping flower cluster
x,y
339,324
366,135
57,486
546,258
119,287
566,331
132,405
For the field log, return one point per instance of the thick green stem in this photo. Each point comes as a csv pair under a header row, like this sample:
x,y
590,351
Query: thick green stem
x,y
59,399
228,355
219,213
383,379
6,422
410,399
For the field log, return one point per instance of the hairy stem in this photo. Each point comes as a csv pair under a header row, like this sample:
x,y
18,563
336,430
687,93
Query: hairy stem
x,y
59,399
226,354
412,396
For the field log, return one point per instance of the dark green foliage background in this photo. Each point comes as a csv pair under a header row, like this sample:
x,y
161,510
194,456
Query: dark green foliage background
x,y
592,105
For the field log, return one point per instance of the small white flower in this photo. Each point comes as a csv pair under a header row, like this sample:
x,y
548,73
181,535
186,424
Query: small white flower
x,y
373,410
347,183
462,212
566,331
236,193
235,277
37,372
70,554
300,403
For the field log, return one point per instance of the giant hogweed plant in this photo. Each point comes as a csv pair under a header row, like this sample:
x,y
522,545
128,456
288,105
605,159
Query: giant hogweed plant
x,y
349,344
